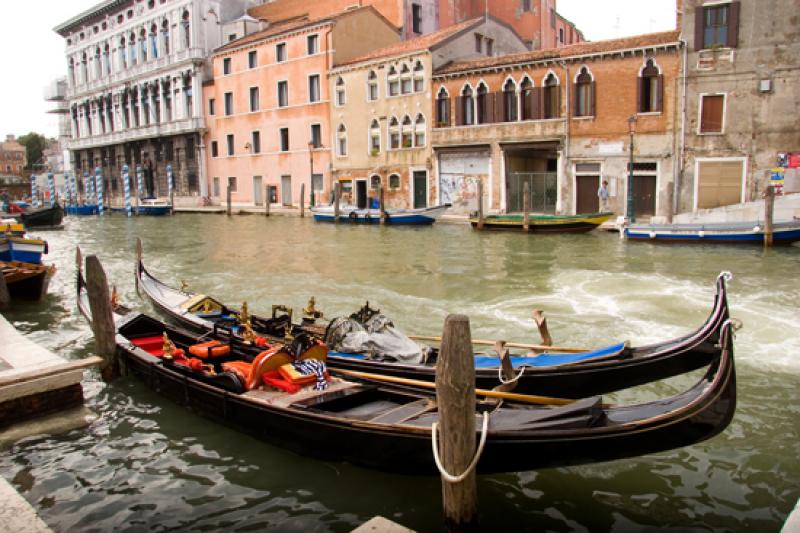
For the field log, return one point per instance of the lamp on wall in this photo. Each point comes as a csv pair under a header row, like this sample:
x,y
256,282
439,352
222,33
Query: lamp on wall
x,y
631,211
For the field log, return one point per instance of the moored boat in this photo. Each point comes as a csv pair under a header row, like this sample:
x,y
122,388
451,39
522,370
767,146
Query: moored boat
x,y
571,375
81,210
27,281
580,223
783,232
43,217
23,249
393,217
152,207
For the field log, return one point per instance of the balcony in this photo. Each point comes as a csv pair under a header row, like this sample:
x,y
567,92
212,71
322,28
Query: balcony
x,y
59,107
56,90
176,127
519,131
138,71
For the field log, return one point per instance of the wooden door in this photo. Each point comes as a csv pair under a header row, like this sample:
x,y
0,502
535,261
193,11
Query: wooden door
x,y
420,189
586,200
644,194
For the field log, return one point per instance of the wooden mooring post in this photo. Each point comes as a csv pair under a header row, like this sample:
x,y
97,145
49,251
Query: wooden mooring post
x,y
480,204
455,397
266,201
526,209
5,296
302,200
228,199
382,206
336,198
769,213
102,317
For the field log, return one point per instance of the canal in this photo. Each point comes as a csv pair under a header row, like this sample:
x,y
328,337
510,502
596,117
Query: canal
x,y
146,464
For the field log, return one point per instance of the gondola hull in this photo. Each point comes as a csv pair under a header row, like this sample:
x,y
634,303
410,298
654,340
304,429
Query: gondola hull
x,y
43,217
581,223
633,366
394,217
26,281
783,233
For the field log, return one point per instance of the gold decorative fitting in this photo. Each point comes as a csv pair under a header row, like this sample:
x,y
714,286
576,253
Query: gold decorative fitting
x,y
168,348
311,310
114,297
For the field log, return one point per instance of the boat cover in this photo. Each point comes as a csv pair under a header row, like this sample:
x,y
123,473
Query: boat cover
x,y
377,338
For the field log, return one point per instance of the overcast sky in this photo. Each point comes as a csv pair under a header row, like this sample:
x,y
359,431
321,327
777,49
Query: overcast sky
x,y
34,53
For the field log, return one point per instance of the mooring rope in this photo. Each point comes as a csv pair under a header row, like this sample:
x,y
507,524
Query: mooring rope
x,y
512,380
447,476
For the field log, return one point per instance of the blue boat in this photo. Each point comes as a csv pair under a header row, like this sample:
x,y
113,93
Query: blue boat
x,y
785,232
81,210
22,249
394,217
149,207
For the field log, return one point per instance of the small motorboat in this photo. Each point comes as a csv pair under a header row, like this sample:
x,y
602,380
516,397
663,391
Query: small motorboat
x,y
581,223
82,210
23,249
783,232
27,281
151,207
393,217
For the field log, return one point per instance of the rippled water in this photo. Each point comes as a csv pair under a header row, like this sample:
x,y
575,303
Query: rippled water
x,y
147,464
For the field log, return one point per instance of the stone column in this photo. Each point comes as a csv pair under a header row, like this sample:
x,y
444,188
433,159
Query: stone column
x,y
201,168
197,89
141,98
162,101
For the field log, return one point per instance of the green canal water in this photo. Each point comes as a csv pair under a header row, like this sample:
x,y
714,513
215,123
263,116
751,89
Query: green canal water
x,y
147,464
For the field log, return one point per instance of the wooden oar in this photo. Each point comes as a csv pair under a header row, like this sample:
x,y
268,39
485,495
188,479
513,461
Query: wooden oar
x,y
540,347
524,398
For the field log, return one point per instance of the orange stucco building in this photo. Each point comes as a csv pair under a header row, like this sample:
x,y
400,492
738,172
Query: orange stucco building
x,y
267,106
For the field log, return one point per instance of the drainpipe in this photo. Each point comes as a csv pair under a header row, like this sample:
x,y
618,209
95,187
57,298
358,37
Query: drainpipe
x,y
566,118
678,170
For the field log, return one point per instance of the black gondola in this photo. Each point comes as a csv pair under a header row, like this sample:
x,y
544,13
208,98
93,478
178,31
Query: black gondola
x,y
43,217
386,427
617,369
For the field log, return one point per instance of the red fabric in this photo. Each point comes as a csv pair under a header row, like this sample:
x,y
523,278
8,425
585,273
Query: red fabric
x,y
274,379
794,160
261,342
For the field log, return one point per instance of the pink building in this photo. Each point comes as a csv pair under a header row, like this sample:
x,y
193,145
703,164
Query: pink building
x,y
267,106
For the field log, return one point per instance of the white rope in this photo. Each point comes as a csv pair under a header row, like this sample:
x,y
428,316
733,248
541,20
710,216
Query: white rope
x,y
512,380
445,475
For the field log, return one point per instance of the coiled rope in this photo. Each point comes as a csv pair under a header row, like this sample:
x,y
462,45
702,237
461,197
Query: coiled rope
x,y
446,475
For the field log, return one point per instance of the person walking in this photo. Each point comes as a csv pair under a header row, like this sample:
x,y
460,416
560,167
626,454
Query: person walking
x,y
602,194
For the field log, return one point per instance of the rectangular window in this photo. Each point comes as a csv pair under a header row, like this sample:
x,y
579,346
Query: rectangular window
x,y
211,106
373,91
280,52
284,139
230,144
256,144
479,43
711,112
715,26
254,104
316,135
313,88
316,182
526,5
214,149
489,46
232,183
252,59
228,104
561,35
394,181
312,44
283,93
226,66
416,18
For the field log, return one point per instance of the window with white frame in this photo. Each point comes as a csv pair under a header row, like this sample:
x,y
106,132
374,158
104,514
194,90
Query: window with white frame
x,y
283,93
393,80
375,137
442,108
254,99
341,140
341,97
650,90
394,181
375,182
712,112
394,133
406,132
313,88
419,131
510,101
280,52
584,94
312,44
372,86
405,79
419,77
467,107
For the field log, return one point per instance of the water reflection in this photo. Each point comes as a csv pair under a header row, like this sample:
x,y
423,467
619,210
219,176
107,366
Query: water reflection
x,y
148,464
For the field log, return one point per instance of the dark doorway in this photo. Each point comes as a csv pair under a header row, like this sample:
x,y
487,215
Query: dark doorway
x,y
644,195
420,189
361,194
586,194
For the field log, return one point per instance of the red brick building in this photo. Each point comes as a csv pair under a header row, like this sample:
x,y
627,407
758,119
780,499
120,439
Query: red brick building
x,y
12,157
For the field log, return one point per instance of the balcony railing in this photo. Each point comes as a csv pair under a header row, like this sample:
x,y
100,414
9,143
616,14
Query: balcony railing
x,y
176,127
140,70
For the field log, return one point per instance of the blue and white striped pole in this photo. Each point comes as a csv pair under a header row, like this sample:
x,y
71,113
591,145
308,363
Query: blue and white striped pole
x,y
88,189
138,187
170,185
73,184
68,187
98,177
34,200
51,184
126,183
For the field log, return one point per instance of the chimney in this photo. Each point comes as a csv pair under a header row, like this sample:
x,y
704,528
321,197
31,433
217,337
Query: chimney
x,y
678,14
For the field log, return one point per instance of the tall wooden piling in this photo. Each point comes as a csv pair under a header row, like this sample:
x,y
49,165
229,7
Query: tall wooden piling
x,y
381,205
336,198
228,199
102,317
266,201
455,396
769,213
5,296
302,200
480,204
526,209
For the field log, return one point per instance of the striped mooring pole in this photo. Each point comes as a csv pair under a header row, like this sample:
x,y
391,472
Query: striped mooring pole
x,y
34,200
170,186
68,187
51,184
88,189
126,182
98,178
73,183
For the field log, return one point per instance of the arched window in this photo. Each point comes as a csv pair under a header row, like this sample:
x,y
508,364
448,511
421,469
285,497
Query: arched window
x,y
394,181
374,182
154,40
132,48
341,97
107,59
123,56
84,68
467,107
552,101
375,137
394,134
406,132
442,109
372,86
650,90
584,94
165,36
143,44
482,104
510,101
341,140
405,79
419,131
97,72
72,72
393,80
187,34
419,77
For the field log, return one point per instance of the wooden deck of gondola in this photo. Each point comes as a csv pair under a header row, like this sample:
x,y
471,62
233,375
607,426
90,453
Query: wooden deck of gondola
x,y
35,381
